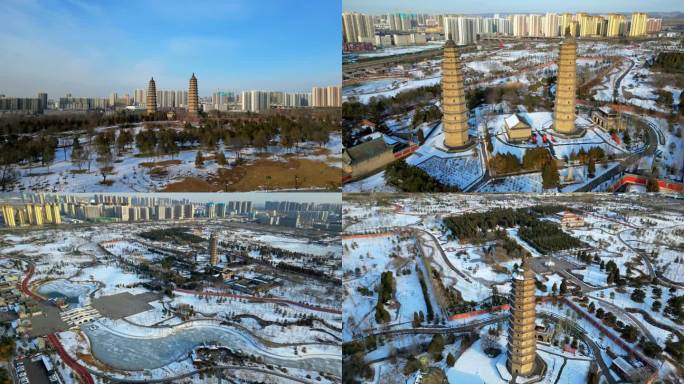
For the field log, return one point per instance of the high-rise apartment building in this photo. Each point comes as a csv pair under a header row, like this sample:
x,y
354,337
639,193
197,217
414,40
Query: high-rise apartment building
x,y
334,96
43,97
617,25
255,101
8,216
31,214
638,25
534,25
319,97
564,22
139,97
519,25
357,28
460,29
653,25
550,25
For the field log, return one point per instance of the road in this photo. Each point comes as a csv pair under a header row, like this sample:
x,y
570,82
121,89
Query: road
x,y
387,60
625,164
595,349
444,256
435,330
644,329
616,87
653,274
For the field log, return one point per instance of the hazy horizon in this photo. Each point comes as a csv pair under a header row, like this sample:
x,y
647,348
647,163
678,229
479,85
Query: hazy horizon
x,y
499,6
91,49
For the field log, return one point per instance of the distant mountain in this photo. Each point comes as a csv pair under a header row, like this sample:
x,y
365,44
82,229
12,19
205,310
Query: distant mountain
x,y
667,15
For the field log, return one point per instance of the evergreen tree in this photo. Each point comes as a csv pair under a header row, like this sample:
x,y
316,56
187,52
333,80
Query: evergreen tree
x,y
199,160
591,167
77,153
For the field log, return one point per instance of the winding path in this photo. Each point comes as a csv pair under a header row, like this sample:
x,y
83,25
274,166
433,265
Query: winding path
x,y
595,349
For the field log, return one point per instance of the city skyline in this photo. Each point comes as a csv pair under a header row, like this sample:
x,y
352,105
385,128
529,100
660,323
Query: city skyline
x,y
98,49
257,198
507,7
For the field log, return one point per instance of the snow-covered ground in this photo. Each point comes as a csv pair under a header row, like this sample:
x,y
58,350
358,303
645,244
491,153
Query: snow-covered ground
x,y
391,51
626,229
373,183
80,265
131,174
365,259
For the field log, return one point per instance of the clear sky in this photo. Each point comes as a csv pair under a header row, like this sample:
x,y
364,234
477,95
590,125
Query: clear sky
x,y
508,6
93,48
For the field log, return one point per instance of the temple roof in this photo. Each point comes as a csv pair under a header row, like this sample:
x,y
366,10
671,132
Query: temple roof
x,y
367,150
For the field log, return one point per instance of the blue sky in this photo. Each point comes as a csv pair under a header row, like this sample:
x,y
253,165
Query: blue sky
x,y
92,48
508,6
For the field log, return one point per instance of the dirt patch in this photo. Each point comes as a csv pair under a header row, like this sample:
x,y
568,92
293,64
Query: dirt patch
x,y
165,163
190,184
265,175
321,151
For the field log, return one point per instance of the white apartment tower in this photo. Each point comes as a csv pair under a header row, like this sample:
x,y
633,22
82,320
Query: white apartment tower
x,y
357,27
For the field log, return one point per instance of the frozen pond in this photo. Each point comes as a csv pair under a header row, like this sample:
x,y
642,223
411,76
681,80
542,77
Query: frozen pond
x,y
149,348
72,293
299,245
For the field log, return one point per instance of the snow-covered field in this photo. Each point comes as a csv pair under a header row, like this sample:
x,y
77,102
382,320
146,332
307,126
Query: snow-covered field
x,y
618,228
373,183
365,259
131,174
400,50
82,264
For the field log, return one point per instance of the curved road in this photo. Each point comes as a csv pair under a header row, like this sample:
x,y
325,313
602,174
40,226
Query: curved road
x,y
616,87
595,349
436,330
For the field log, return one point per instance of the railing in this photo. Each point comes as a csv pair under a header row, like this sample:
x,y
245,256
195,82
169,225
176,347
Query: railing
x,y
639,180
406,151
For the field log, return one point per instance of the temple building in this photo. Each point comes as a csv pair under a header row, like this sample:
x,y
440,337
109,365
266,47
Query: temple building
x,y
564,109
455,112
522,343
606,118
151,102
517,129
193,99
